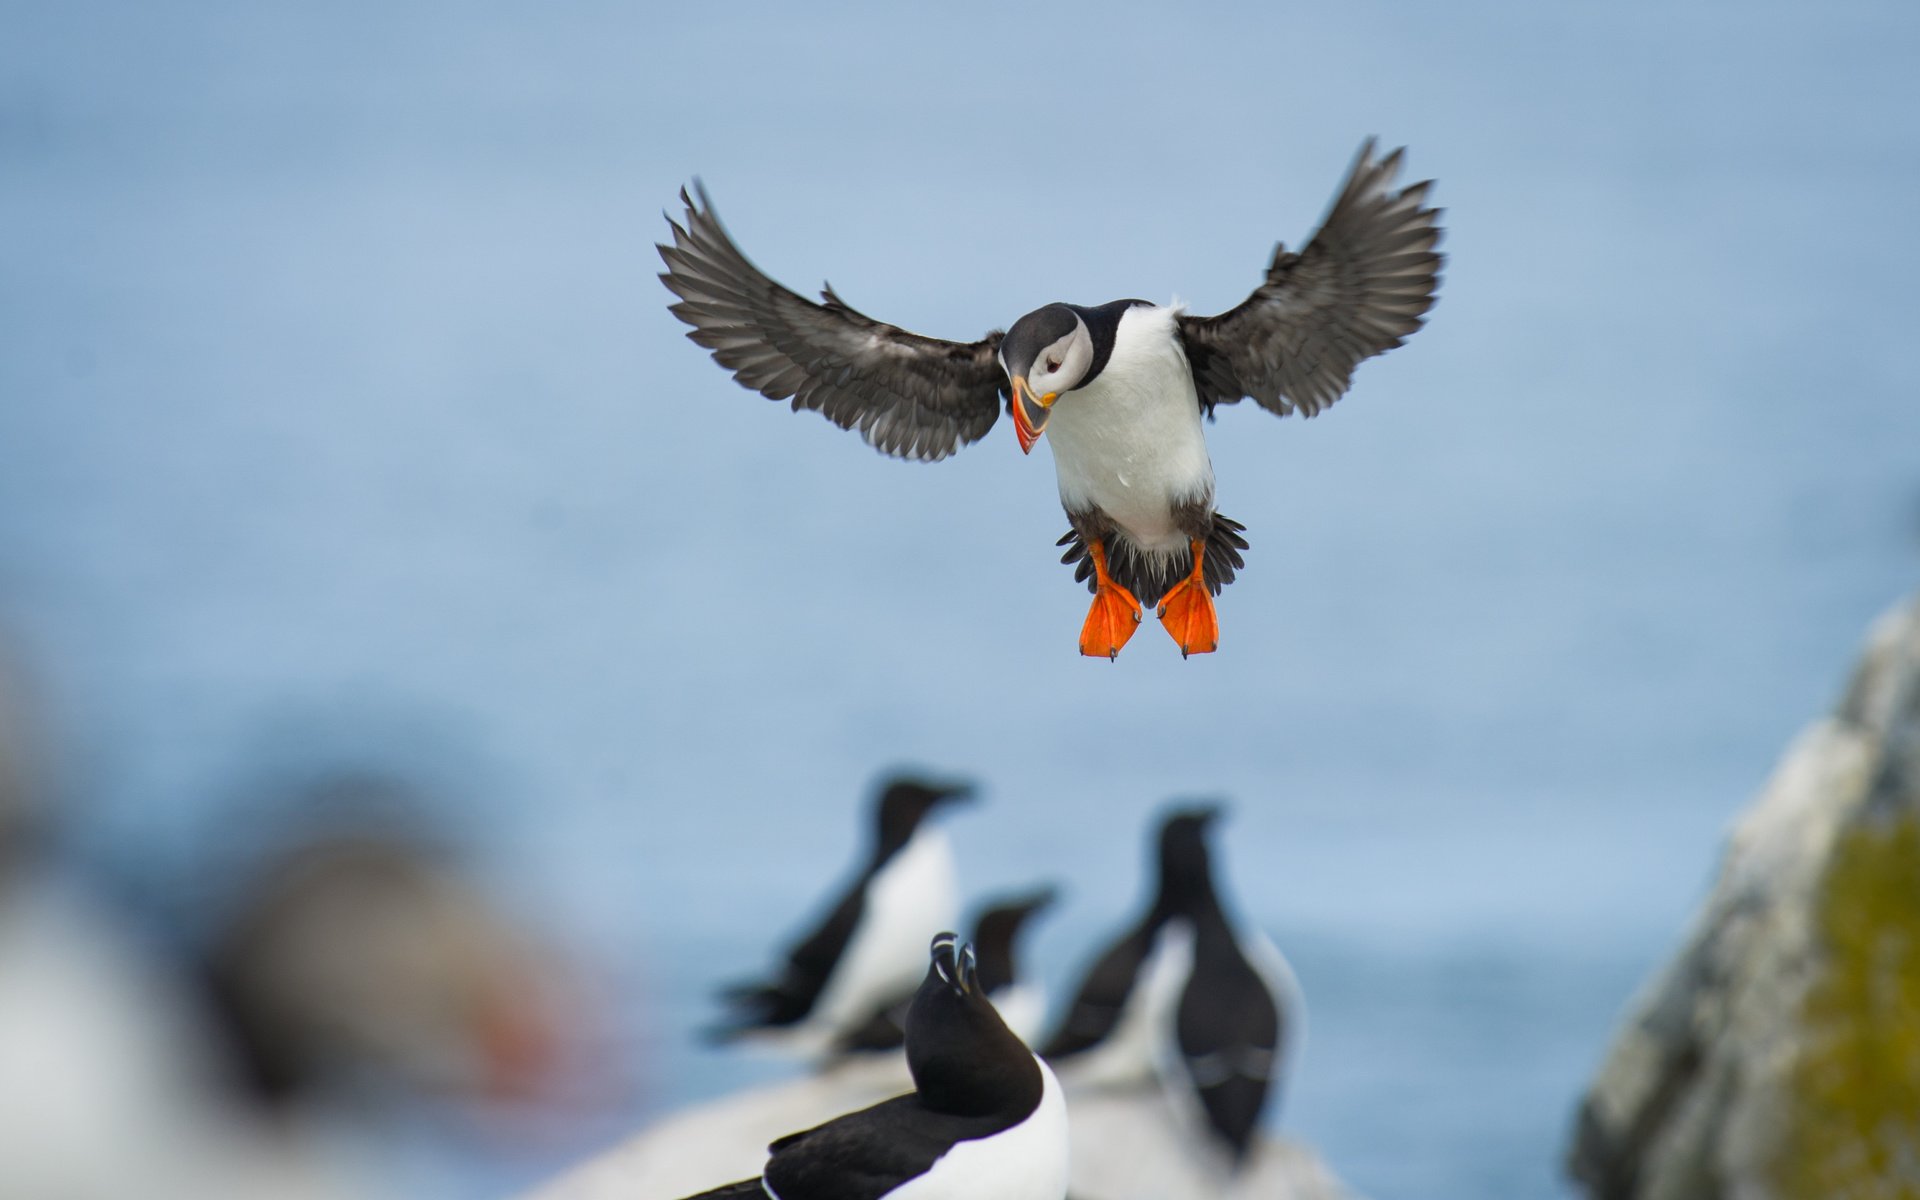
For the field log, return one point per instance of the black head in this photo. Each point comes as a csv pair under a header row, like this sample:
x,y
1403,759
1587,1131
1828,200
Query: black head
x,y
905,802
1185,866
1052,351
963,1058
994,934
1049,328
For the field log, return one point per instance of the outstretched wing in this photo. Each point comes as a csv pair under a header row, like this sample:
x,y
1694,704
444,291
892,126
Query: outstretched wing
x,y
910,396
1359,288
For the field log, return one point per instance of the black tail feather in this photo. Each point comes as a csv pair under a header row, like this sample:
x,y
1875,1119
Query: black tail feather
x,y
1150,578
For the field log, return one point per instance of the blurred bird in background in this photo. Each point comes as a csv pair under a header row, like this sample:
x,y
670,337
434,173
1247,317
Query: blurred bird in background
x,y
863,953
1178,1038
1019,1000
360,961
1172,1051
350,981
837,1004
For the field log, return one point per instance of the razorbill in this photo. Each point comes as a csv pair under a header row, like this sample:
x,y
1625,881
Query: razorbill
x,y
985,1120
1021,1003
1183,999
866,950
1121,385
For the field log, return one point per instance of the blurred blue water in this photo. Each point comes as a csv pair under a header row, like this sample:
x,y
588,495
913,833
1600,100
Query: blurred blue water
x,y
340,416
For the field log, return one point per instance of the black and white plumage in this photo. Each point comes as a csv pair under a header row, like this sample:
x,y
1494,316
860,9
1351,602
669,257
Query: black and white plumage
x,y
995,933
1121,387
866,950
985,1120
1184,999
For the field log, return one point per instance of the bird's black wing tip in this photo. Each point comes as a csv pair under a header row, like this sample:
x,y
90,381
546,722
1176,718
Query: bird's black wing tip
x,y
731,1191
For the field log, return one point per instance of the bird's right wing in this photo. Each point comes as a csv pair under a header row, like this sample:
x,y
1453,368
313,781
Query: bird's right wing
x,y
910,396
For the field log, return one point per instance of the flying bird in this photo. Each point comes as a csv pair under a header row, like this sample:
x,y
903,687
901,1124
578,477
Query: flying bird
x,y
986,1119
865,952
1121,387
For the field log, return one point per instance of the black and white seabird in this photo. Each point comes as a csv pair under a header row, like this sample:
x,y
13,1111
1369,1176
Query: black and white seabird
x,y
1183,998
986,1118
1122,386
1020,1002
867,949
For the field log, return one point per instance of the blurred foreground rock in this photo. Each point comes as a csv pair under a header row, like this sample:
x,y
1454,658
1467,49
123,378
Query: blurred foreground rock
x,y
1126,1146
1778,1055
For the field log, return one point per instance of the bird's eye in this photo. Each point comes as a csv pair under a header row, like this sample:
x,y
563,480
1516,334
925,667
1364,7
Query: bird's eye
x,y
1053,364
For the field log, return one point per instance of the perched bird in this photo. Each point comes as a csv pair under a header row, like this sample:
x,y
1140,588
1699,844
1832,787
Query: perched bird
x,y
865,951
361,958
1020,1003
1183,998
985,1120
1122,386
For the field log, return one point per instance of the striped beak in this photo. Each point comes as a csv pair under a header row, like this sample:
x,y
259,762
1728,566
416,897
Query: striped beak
x,y
1030,413
953,961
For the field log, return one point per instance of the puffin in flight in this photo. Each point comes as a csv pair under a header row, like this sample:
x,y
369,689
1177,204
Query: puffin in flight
x,y
1120,386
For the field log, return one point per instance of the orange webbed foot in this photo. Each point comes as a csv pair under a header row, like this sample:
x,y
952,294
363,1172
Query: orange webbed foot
x,y
1110,622
1187,611
1115,613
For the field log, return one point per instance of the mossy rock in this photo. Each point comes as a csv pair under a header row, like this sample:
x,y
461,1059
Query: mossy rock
x,y
1853,1112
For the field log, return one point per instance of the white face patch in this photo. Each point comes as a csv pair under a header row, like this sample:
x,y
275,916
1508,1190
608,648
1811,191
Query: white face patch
x,y
1063,364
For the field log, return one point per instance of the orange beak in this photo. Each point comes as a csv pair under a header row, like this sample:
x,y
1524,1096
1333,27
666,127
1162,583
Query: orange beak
x,y
1030,413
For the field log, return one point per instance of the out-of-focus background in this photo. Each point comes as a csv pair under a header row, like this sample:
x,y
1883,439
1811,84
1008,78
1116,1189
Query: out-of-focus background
x,y
343,427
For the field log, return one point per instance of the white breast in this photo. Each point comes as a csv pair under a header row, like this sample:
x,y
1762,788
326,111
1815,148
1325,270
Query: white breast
x,y
1130,441
1026,1162
1023,1007
912,898
1135,1052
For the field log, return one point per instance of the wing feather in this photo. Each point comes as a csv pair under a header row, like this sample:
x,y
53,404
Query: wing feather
x,y
908,395
1362,284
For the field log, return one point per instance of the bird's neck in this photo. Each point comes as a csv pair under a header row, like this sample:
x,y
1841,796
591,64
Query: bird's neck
x,y
983,1071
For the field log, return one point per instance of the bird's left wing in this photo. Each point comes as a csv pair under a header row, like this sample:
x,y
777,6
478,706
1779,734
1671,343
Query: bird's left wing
x,y
910,396
1363,283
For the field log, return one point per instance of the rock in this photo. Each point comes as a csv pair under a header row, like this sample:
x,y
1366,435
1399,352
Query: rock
x,y
1778,1054
1137,1145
